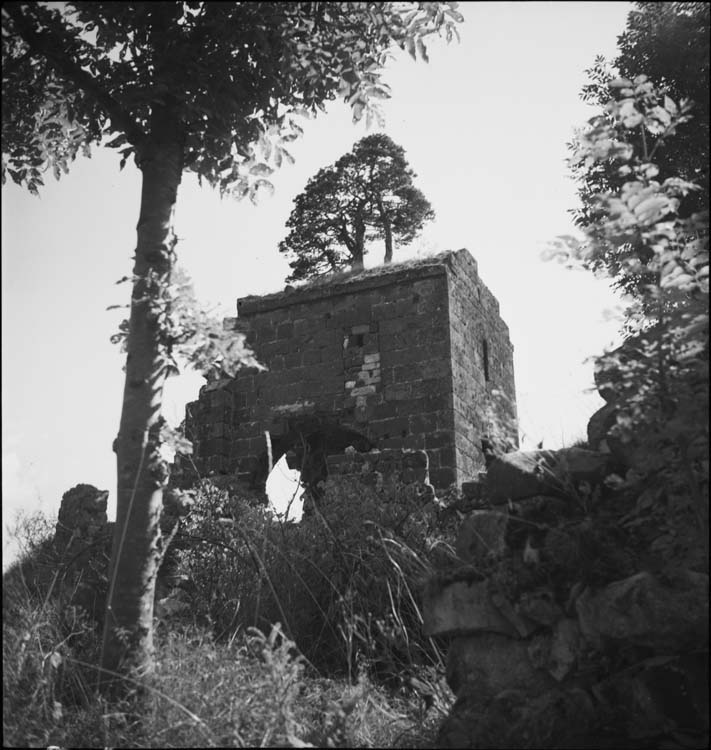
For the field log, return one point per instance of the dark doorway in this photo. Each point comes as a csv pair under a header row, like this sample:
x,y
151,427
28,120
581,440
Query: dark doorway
x,y
307,444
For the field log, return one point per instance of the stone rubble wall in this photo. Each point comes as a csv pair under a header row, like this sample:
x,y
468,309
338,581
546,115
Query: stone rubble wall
x,y
521,646
407,469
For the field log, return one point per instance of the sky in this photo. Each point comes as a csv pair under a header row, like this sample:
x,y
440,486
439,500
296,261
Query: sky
x,y
484,125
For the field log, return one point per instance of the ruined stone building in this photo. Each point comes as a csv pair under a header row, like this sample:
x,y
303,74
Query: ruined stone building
x,y
403,356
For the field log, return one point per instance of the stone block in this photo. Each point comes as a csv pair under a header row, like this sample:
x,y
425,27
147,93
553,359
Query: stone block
x,y
460,608
441,478
285,331
435,440
219,430
644,611
426,423
311,357
522,474
482,535
473,490
216,446
363,390
491,663
540,607
415,459
220,399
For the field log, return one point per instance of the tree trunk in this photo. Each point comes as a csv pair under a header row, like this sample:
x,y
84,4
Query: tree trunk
x,y
358,251
388,231
136,550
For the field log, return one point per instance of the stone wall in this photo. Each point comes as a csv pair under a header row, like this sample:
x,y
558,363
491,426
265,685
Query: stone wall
x,y
379,359
482,362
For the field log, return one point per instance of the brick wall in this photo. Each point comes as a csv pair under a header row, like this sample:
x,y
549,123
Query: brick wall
x,y
376,359
482,364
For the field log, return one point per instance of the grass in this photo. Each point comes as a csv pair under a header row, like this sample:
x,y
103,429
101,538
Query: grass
x,y
254,691
210,687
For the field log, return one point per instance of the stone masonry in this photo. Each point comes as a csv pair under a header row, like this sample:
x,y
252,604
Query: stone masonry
x,y
403,356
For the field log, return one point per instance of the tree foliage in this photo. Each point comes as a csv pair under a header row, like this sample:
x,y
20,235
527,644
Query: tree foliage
x,y
658,379
669,42
63,89
367,195
211,87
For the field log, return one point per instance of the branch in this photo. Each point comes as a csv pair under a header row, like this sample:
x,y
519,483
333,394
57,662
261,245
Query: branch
x,y
47,46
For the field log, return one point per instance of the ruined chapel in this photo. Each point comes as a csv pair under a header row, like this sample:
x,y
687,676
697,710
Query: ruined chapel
x,y
403,356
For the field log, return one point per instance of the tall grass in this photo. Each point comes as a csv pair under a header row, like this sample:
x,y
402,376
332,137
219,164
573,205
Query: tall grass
x,y
345,582
336,659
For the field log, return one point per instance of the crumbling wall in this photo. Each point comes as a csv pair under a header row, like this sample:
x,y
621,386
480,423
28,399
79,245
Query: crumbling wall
x,y
375,356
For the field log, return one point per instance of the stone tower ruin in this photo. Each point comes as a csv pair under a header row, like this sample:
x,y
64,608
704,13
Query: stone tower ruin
x,y
403,356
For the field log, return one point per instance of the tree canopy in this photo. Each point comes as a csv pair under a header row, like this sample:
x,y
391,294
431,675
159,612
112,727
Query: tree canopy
x,y
367,195
668,42
216,88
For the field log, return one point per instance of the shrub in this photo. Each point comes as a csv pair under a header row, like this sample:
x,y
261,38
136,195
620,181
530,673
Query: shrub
x,y
343,582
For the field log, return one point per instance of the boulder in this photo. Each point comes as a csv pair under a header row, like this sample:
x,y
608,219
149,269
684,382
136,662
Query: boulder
x,y
540,606
599,425
644,611
461,607
523,474
556,651
481,535
553,719
661,694
482,666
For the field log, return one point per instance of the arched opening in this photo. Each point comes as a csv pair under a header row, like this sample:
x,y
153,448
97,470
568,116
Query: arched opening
x,y
308,443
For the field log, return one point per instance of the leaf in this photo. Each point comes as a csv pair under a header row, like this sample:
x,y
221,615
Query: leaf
x,y
670,107
116,142
422,49
261,169
629,114
410,45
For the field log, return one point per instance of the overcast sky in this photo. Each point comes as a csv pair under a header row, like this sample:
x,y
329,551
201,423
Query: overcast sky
x,y
484,125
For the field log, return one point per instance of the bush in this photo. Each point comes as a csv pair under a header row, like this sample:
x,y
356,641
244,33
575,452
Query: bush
x,y
344,582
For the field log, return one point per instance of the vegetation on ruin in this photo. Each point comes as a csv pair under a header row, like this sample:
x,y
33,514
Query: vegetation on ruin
x,y
337,657
645,237
646,229
270,633
367,195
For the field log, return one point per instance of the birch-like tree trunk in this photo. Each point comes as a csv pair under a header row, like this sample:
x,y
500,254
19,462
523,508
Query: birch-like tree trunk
x,y
136,551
